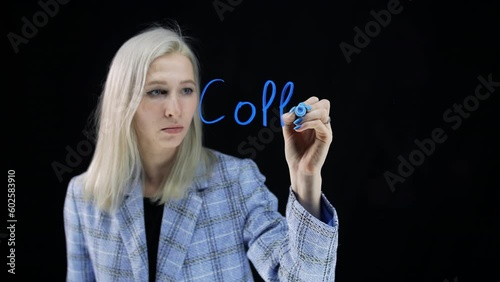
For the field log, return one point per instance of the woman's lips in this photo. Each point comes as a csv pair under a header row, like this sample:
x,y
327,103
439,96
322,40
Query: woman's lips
x,y
173,129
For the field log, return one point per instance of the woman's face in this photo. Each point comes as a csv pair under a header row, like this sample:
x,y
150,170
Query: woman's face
x,y
166,110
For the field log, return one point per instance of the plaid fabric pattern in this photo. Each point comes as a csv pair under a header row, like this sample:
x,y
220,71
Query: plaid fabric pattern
x,y
225,221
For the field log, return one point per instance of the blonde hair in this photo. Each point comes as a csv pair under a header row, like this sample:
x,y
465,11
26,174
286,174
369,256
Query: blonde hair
x,y
116,163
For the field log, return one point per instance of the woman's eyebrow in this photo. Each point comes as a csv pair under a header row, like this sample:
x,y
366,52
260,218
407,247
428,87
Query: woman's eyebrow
x,y
187,81
156,82
165,83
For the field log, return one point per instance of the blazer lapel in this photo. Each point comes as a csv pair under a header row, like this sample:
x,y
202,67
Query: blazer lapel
x,y
178,224
131,219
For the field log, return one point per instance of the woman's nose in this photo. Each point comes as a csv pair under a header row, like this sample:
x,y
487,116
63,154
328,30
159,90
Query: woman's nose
x,y
172,108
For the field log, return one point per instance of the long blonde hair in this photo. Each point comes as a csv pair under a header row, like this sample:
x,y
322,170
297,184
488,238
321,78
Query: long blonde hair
x,y
116,163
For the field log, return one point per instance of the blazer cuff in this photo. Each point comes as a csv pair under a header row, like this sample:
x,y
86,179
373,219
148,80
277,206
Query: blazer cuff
x,y
328,212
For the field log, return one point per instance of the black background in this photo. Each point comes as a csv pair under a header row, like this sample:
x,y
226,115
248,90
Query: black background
x,y
440,224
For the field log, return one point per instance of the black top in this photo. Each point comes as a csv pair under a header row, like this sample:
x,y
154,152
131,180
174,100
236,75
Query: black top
x,y
152,218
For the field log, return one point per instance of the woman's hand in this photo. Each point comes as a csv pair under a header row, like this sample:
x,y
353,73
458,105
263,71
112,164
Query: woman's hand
x,y
307,141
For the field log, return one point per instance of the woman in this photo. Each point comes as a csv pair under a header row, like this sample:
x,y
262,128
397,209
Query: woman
x,y
154,204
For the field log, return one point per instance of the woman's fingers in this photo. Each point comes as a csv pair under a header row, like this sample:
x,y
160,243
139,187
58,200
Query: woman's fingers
x,y
317,114
314,109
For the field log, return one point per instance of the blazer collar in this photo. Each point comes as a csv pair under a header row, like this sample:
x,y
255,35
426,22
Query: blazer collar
x,y
130,217
178,224
177,228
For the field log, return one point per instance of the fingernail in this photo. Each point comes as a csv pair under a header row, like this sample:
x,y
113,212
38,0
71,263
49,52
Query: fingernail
x,y
291,110
297,127
307,107
297,121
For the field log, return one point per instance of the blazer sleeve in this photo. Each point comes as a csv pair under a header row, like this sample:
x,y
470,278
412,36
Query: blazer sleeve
x,y
79,266
299,247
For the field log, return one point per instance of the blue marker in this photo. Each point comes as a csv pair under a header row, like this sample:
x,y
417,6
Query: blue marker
x,y
302,109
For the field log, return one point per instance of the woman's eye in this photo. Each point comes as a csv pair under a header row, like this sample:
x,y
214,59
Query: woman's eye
x,y
187,91
156,92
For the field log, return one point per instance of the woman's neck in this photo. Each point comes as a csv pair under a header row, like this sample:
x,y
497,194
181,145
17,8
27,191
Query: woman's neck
x,y
156,167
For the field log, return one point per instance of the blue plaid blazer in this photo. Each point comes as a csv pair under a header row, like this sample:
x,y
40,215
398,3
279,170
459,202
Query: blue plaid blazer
x,y
224,223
